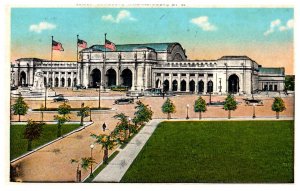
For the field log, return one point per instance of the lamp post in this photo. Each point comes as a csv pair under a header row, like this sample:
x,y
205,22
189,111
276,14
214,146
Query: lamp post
x,y
99,96
45,95
187,111
210,90
253,116
92,147
128,133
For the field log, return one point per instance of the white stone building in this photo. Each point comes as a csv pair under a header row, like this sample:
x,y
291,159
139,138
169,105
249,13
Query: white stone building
x,y
152,65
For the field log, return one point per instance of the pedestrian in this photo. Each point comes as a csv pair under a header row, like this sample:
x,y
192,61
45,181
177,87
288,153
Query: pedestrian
x,y
163,95
104,126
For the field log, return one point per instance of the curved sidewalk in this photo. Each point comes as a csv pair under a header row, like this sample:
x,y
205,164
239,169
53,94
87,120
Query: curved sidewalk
x,y
116,169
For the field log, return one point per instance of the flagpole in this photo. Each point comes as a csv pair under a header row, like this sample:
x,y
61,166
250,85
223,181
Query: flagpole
x,y
104,63
77,72
51,61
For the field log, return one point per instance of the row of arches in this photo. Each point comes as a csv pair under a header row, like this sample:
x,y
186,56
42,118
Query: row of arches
x,y
63,82
111,78
183,86
233,85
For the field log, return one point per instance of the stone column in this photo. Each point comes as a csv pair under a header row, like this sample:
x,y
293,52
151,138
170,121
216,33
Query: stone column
x,y
153,80
170,81
205,83
196,83
179,82
66,79
187,82
59,81
47,78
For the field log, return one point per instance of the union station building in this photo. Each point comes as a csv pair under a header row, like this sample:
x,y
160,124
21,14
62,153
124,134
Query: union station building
x,y
152,65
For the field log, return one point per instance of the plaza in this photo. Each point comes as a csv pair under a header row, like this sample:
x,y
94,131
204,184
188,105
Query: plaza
x,y
48,165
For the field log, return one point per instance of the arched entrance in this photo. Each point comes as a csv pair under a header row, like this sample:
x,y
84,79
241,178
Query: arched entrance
x,y
174,85
69,82
23,78
201,87
127,78
62,82
210,86
192,86
95,78
183,86
233,84
56,82
166,85
111,77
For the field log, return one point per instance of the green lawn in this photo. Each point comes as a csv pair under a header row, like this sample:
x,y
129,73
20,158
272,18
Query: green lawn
x,y
18,145
216,152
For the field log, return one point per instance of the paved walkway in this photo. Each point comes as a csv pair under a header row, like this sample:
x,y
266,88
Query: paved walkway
x,y
116,169
120,164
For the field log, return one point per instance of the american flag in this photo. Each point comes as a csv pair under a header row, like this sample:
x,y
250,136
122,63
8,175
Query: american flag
x,y
110,45
81,43
57,46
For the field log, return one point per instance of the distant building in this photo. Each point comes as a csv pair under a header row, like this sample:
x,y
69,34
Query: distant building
x,y
152,65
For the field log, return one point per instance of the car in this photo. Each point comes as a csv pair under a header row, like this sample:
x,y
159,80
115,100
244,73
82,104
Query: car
x,y
80,86
124,101
60,99
257,102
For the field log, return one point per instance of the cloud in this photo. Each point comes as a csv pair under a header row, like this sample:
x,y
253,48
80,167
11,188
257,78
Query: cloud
x,y
122,15
38,28
289,25
276,25
203,23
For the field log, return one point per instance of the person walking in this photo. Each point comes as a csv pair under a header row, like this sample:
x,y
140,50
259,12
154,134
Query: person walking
x,y
104,126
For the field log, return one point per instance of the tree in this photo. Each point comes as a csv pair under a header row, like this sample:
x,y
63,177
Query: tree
x,y
61,119
123,125
108,142
83,112
230,105
289,82
200,106
64,109
168,107
33,131
142,115
278,106
20,107
85,164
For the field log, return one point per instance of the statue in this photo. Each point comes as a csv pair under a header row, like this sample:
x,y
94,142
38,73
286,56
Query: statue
x,y
38,83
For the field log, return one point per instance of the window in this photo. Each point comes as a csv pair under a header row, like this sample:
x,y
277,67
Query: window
x,y
175,74
201,75
158,74
69,72
210,75
183,74
56,72
166,74
63,73
192,74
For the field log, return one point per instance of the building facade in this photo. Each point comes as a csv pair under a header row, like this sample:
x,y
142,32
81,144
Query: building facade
x,y
152,65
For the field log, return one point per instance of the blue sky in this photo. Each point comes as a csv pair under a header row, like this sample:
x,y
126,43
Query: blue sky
x,y
206,33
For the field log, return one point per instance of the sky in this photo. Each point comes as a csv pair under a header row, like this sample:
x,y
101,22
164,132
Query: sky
x,y
266,35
